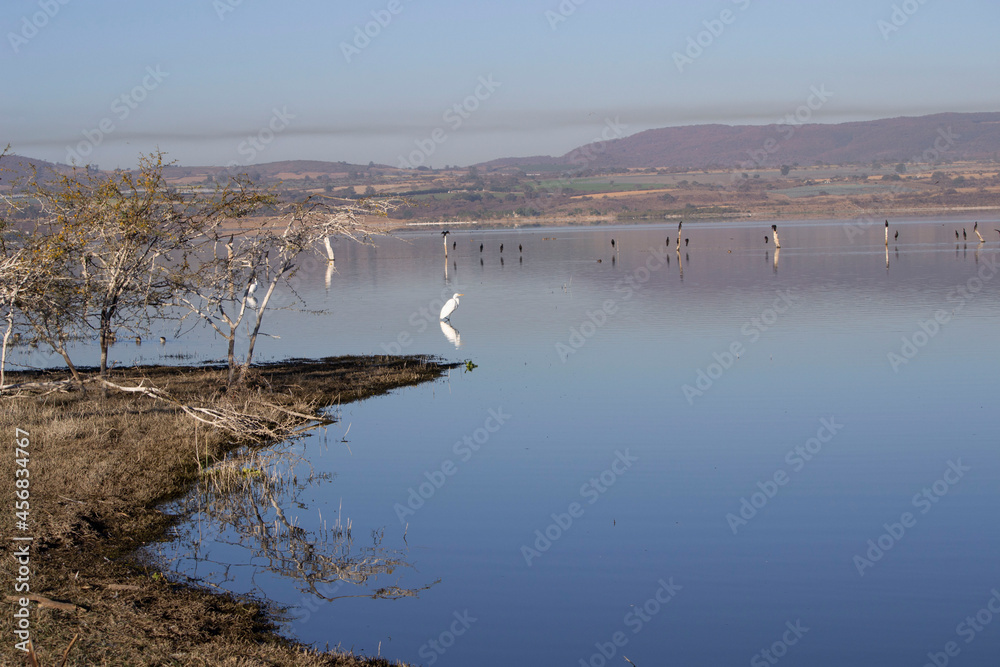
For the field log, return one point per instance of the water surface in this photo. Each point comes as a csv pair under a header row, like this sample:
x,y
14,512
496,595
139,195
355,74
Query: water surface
x,y
631,408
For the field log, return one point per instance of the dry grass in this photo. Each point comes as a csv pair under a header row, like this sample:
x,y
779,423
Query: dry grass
x,y
101,464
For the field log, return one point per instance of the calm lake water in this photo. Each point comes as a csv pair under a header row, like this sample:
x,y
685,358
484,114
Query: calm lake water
x,y
686,459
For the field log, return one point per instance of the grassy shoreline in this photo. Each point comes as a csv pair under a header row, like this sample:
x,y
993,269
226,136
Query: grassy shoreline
x,y
101,463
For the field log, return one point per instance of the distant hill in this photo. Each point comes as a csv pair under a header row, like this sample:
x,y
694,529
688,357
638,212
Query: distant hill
x,y
17,168
953,136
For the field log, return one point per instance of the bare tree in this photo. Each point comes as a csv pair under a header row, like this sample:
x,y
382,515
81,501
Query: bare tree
x,y
225,287
108,234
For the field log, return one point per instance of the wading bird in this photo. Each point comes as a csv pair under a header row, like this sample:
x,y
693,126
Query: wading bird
x,y
449,307
252,287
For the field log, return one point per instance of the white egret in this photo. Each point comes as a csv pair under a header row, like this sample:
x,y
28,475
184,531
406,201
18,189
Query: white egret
x,y
450,306
252,287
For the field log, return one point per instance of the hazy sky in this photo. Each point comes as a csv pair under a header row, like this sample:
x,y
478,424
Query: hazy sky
x,y
247,81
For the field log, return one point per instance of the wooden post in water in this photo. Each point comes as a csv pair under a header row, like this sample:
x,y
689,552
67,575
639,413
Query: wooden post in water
x,y
975,228
886,233
679,224
774,233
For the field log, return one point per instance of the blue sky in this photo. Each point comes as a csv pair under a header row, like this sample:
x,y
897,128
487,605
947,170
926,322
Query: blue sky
x,y
200,78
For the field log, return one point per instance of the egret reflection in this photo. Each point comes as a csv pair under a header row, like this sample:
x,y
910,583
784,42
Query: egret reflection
x,y
451,333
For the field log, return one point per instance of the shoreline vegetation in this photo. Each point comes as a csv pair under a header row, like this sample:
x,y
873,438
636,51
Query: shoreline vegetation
x,y
89,256
101,465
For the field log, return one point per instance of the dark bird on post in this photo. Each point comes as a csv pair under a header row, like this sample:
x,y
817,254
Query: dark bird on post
x,y
454,244
480,247
501,247
765,240
686,241
956,234
897,234
964,237
520,248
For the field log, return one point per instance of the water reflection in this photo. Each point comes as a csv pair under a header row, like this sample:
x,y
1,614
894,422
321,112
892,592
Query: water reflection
x,y
241,519
451,333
